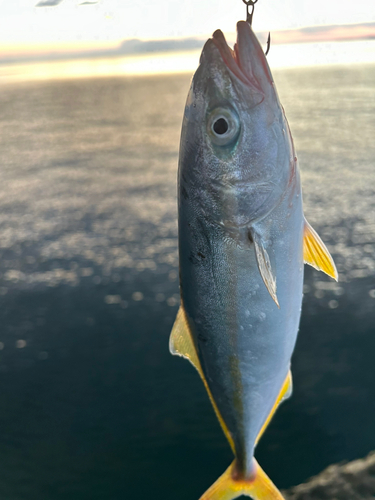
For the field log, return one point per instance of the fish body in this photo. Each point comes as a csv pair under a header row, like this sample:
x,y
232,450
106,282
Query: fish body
x,y
242,246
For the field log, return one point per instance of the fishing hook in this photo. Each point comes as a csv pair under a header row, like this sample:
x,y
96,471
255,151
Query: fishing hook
x,y
249,19
249,15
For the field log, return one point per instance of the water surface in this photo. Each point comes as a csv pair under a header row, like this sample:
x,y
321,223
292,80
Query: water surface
x,y
92,405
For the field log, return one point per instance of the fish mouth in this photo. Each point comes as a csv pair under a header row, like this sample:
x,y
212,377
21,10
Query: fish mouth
x,y
247,60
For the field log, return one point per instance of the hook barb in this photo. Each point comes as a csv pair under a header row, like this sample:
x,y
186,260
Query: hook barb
x,y
268,43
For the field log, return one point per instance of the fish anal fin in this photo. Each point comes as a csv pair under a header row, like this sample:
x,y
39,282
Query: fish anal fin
x,y
285,393
181,343
228,487
264,266
316,254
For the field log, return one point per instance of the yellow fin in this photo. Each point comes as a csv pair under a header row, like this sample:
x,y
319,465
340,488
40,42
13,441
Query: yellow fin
x,y
285,393
181,343
260,487
316,254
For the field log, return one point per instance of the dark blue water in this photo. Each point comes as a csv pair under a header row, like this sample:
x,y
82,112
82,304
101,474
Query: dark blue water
x,y
92,405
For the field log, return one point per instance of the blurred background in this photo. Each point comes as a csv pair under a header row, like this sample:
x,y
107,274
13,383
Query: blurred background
x,y
92,405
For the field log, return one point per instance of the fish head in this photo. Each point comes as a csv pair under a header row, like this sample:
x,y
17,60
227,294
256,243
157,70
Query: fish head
x,y
236,148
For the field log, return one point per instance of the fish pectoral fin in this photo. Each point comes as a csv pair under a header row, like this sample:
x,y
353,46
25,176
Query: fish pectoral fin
x,y
316,254
228,487
181,343
264,266
285,393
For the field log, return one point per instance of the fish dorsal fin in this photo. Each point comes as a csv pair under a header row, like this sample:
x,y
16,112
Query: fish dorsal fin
x,y
181,343
316,254
285,393
264,266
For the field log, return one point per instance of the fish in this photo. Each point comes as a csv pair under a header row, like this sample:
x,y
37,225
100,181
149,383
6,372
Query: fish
x,y
243,242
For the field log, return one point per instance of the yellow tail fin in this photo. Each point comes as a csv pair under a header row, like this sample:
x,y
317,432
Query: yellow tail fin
x,y
227,487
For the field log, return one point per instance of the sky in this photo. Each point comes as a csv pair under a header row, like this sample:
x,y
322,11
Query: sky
x,y
26,25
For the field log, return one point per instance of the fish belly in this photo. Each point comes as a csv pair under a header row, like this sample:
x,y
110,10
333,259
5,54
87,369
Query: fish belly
x,y
244,341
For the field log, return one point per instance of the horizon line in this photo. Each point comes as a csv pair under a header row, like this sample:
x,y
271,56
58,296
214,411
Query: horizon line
x,y
136,46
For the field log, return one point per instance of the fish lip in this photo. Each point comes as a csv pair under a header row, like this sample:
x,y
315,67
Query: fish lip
x,y
231,57
245,34
228,56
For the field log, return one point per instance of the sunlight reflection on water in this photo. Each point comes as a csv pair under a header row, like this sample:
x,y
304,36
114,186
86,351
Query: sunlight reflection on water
x,y
103,192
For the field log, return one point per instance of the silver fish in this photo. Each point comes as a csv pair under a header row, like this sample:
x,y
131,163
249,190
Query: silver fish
x,y
243,240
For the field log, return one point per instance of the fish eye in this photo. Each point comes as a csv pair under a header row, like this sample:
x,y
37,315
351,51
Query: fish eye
x,y
223,126
220,126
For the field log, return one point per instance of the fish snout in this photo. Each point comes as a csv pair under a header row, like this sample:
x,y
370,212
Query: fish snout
x,y
251,58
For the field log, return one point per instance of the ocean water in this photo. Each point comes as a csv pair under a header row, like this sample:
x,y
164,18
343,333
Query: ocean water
x,y
92,405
